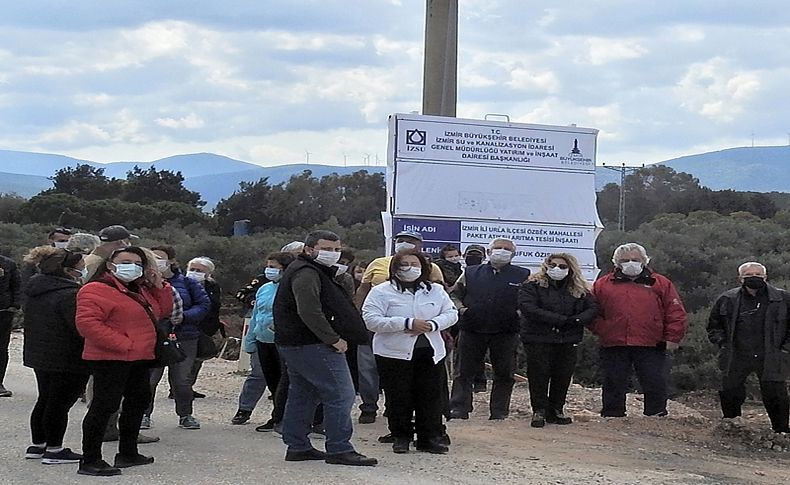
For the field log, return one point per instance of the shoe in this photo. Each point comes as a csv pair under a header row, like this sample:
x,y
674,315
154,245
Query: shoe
x,y
351,458
458,415
146,422
558,418
188,422
434,446
387,438
307,455
278,428
659,414
98,469
367,418
144,440
34,452
497,417
5,392
266,427
197,395
318,431
63,456
401,445
122,461
241,417
538,419
479,387
445,439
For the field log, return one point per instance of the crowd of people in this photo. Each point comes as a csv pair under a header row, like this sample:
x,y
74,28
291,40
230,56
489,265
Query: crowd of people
x,y
324,329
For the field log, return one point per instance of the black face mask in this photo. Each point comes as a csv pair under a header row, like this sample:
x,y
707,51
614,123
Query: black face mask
x,y
754,282
473,260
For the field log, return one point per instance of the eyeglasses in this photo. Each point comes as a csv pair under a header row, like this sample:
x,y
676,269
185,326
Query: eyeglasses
x,y
555,265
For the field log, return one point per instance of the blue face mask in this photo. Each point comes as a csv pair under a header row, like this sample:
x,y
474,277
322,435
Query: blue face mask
x,y
273,274
127,272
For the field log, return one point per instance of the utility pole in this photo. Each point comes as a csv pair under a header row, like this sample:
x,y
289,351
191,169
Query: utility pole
x,y
307,157
623,169
440,68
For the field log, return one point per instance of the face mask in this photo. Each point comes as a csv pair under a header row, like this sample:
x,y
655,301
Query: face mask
x,y
84,274
409,274
162,264
754,282
500,257
60,244
455,259
474,260
327,258
127,272
273,274
631,268
196,275
403,246
557,273
341,268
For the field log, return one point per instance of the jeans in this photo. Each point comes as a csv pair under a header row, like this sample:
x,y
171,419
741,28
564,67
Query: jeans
x,y
254,386
112,381
179,377
317,374
6,319
473,347
368,379
773,393
57,393
549,372
651,370
414,388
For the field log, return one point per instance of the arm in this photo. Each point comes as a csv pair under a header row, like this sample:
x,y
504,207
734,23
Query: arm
x,y
375,310
177,315
448,314
717,323
67,310
529,303
91,315
458,293
675,319
589,311
201,304
306,287
15,286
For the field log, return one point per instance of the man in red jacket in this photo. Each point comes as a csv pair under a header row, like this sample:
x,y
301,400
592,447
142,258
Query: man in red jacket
x,y
641,320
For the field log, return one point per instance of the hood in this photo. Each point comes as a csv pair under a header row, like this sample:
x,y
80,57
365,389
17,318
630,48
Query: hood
x,y
42,283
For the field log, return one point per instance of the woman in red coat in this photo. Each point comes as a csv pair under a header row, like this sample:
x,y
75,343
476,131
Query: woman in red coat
x,y
119,347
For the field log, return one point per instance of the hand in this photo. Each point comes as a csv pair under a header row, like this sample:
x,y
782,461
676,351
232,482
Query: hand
x,y
341,345
419,326
672,346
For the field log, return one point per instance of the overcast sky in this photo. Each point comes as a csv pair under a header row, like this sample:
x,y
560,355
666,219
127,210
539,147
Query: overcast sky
x,y
267,81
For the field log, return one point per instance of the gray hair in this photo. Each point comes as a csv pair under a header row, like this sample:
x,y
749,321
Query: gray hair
x,y
501,239
83,242
627,248
748,265
203,261
291,247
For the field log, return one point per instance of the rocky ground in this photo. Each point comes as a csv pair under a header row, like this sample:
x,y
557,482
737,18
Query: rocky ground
x,y
690,446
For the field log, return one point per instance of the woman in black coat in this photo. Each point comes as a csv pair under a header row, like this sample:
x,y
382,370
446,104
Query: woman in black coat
x,y
555,304
53,349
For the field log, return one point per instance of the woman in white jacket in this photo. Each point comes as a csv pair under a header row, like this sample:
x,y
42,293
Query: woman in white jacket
x,y
407,314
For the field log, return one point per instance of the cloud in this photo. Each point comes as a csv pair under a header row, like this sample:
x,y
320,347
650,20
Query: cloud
x,y
189,121
717,90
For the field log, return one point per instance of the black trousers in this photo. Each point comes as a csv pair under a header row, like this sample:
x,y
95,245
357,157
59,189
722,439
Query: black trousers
x,y
414,388
773,393
6,319
270,365
549,371
650,364
57,393
281,398
112,381
473,348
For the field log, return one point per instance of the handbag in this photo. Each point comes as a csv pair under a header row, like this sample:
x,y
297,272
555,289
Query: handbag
x,y
206,348
167,350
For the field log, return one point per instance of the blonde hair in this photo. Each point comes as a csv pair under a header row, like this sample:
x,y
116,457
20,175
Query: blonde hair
x,y
577,285
39,253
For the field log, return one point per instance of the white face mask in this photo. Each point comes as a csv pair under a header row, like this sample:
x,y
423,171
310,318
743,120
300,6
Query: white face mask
x,y
407,274
456,259
341,268
196,275
631,268
557,273
60,244
403,246
273,274
327,258
500,257
127,272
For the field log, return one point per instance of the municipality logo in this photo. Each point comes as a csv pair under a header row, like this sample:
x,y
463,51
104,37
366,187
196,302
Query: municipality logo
x,y
576,157
416,137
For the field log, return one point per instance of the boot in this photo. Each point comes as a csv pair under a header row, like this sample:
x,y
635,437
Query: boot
x,y
558,417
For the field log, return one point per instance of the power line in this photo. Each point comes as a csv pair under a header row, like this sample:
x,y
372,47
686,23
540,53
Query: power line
x,y
623,169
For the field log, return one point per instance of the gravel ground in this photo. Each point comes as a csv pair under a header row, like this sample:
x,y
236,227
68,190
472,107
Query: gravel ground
x,y
681,449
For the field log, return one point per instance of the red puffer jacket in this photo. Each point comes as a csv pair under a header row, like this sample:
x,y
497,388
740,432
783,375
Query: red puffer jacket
x,y
639,313
114,325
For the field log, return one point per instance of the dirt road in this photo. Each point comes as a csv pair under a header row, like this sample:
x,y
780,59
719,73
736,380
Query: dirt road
x,y
634,450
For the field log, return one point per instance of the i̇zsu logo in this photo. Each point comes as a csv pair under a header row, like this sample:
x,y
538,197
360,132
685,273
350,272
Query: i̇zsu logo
x,y
415,140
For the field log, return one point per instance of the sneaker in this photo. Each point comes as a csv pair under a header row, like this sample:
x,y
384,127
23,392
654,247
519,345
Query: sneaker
x,y
458,415
63,456
241,417
188,422
98,469
538,419
5,392
367,418
267,426
34,452
122,461
146,422
143,439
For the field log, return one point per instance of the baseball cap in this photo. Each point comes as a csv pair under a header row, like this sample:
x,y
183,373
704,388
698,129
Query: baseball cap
x,y
416,235
475,247
115,233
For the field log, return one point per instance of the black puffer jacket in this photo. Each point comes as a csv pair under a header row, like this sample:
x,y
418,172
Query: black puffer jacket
x,y
552,315
10,284
51,339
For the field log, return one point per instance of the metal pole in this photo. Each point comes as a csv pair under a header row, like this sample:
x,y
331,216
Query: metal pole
x,y
621,206
440,69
